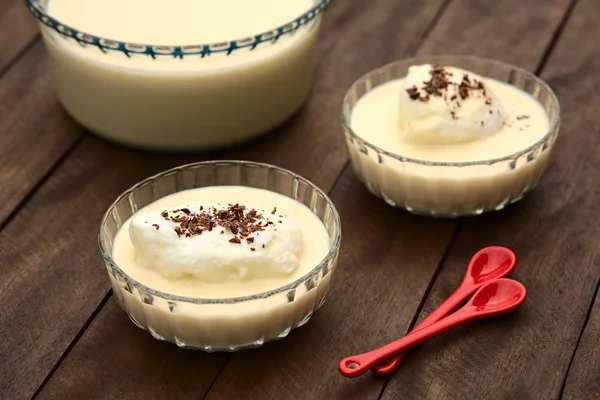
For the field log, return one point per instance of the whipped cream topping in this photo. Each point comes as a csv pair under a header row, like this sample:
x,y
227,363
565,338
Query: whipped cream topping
x,y
216,242
442,105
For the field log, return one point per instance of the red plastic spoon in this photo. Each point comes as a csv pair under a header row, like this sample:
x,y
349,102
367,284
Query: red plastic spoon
x,y
493,298
486,265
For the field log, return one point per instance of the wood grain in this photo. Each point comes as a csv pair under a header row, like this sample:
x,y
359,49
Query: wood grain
x,y
34,132
27,151
387,261
583,380
111,368
17,30
527,355
53,237
516,32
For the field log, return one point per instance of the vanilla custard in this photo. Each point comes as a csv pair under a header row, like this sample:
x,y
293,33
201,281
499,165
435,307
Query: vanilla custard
x,y
300,231
176,22
375,119
192,102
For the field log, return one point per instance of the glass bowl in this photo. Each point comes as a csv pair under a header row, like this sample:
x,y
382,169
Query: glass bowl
x,y
182,98
450,189
219,324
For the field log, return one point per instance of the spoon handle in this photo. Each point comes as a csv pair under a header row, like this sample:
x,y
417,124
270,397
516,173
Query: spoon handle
x,y
459,296
357,365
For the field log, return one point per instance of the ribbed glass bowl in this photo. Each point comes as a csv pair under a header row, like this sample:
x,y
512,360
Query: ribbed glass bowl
x,y
221,324
451,189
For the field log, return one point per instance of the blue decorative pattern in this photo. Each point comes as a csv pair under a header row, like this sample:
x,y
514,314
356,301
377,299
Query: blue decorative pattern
x,y
85,39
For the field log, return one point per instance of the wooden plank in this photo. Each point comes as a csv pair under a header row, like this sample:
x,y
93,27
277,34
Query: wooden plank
x,y
516,32
583,379
527,355
34,132
387,261
17,29
116,369
53,237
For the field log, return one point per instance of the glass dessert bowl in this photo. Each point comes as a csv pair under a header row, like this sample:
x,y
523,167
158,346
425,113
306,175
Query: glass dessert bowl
x,y
239,292
180,76
449,167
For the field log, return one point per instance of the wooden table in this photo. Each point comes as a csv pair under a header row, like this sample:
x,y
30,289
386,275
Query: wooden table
x,y
62,335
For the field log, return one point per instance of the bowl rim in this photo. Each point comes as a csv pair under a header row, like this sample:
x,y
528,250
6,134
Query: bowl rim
x,y
37,8
331,254
553,125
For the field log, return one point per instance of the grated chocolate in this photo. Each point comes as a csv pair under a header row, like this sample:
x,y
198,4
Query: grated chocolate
x,y
242,222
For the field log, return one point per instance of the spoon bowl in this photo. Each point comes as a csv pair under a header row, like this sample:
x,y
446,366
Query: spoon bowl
x,y
490,263
502,295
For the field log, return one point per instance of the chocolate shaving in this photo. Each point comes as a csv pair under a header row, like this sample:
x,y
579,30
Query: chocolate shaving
x,y
467,86
156,226
436,86
242,223
413,93
440,82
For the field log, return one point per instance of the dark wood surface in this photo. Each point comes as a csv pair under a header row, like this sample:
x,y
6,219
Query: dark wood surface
x,y
62,336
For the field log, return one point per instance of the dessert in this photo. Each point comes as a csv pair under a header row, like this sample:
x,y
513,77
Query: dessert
x,y
201,269
180,75
442,140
